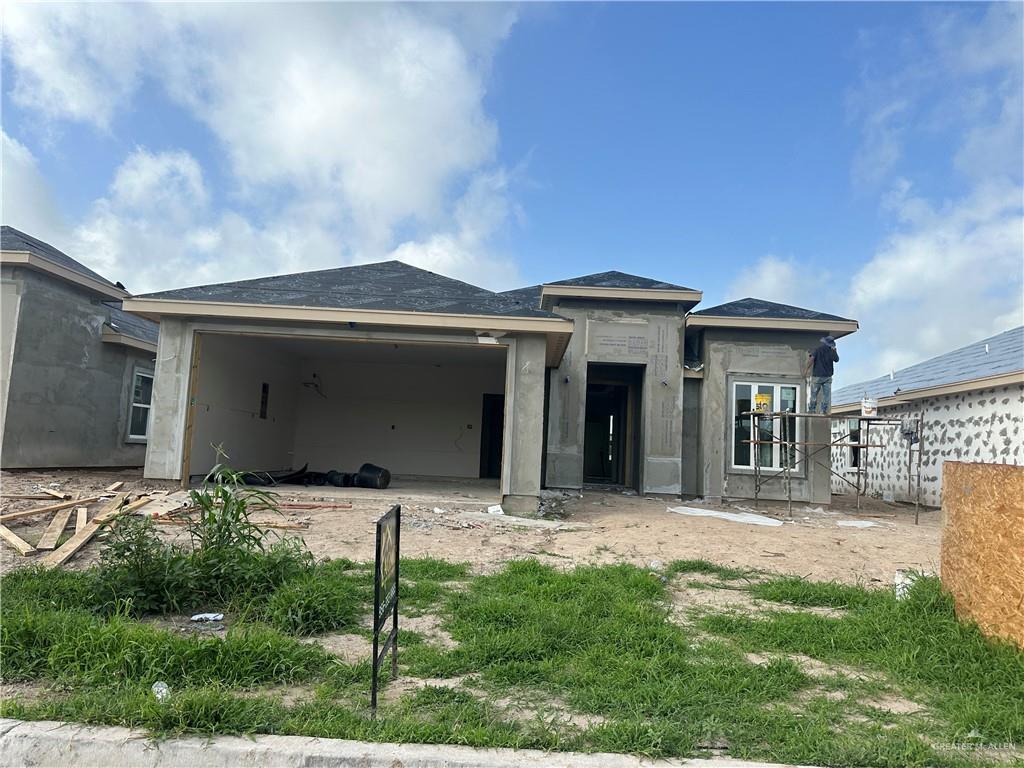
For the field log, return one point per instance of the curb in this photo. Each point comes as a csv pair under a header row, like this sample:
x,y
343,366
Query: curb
x,y
55,744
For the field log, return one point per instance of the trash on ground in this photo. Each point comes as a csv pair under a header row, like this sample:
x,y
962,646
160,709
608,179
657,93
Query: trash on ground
x,y
495,509
208,617
856,523
161,690
736,517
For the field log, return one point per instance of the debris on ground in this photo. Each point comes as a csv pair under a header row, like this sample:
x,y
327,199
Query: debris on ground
x,y
856,523
735,517
208,617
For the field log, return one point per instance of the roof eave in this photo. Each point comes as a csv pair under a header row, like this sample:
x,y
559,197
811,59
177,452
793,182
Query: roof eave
x,y
954,388
837,328
556,329
111,336
42,264
553,292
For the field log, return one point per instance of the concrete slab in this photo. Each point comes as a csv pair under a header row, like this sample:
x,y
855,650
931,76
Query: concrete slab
x,y
56,745
410,489
522,522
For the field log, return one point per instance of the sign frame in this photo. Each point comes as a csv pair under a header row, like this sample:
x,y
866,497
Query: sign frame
x,y
385,595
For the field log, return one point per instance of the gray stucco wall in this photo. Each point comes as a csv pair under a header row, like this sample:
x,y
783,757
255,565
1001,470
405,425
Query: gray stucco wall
x,y
985,425
761,356
68,394
629,333
692,462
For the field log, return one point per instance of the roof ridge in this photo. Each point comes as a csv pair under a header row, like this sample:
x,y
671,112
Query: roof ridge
x,y
251,280
53,254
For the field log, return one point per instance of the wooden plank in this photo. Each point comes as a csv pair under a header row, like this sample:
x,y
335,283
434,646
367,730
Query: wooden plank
x,y
53,531
260,523
70,547
44,510
32,496
16,541
82,517
114,486
56,494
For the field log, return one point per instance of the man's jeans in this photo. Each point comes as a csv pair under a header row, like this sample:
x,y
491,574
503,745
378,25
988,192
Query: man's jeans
x,y
820,385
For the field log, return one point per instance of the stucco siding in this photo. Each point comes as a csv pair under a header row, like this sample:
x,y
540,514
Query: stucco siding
x,y
984,426
67,395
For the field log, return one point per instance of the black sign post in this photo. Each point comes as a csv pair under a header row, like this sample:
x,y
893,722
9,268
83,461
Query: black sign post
x,y
385,595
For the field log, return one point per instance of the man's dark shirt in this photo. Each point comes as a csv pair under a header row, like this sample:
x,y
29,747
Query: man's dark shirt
x,y
824,356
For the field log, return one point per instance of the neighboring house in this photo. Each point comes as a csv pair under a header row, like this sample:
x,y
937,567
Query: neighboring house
x,y
76,371
558,385
972,400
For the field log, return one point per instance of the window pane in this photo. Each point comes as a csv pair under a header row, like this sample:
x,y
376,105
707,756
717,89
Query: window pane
x,y
139,422
766,449
787,403
143,393
787,398
741,449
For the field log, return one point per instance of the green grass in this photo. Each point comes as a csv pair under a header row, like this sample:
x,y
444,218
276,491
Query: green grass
x,y
971,683
725,573
598,641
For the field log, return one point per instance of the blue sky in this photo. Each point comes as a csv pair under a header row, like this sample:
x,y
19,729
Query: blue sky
x,y
862,159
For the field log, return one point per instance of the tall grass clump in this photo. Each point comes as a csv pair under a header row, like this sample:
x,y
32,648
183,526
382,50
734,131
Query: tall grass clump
x,y
230,559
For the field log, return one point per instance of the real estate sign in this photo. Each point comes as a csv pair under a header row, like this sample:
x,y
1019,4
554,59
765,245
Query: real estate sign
x,y
385,595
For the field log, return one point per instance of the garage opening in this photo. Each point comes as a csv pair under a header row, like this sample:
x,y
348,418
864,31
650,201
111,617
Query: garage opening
x,y
611,441
422,411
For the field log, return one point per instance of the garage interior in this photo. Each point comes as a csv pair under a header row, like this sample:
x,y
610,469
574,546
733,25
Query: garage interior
x,y
422,410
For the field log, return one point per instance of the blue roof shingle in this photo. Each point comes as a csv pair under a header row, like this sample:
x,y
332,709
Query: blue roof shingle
x,y
999,354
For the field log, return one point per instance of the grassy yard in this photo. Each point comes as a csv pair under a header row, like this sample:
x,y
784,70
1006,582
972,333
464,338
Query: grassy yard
x,y
610,658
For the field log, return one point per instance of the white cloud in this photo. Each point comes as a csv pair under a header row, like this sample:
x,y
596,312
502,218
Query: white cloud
x,y
784,280
949,275
79,61
479,215
359,121
26,201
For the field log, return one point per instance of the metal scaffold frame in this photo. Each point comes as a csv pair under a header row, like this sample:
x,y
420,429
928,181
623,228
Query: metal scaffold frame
x,y
799,450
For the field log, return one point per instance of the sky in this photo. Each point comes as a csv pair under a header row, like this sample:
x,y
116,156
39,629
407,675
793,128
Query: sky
x,y
865,160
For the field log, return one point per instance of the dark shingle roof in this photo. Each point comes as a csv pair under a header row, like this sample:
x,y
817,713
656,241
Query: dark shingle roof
x,y
12,239
767,309
132,325
387,285
1005,355
530,295
614,279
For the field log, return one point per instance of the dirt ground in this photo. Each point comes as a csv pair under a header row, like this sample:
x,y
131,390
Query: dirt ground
x,y
449,521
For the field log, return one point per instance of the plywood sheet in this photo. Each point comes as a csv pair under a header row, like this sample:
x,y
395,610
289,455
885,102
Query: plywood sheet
x,y
983,545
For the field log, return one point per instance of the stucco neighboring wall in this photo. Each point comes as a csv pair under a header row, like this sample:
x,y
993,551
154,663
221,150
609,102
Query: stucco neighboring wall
x,y
68,394
628,333
10,305
760,356
980,426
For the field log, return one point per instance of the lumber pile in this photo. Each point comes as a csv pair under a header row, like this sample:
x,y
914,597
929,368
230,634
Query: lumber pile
x,y
70,507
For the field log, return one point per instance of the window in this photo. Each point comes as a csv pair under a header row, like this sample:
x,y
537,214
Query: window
x,y
779,397
142,398
264,397
853,427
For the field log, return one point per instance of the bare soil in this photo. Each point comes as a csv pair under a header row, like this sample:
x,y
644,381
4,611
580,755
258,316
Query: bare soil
x,y
598,526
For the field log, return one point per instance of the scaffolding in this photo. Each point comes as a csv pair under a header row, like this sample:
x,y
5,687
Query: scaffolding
x,y
792,451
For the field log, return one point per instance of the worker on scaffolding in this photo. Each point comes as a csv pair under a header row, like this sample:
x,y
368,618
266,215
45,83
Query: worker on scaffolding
x,y
820,367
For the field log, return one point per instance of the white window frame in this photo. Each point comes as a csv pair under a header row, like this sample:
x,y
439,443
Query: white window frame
x,y
776,424
132,405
